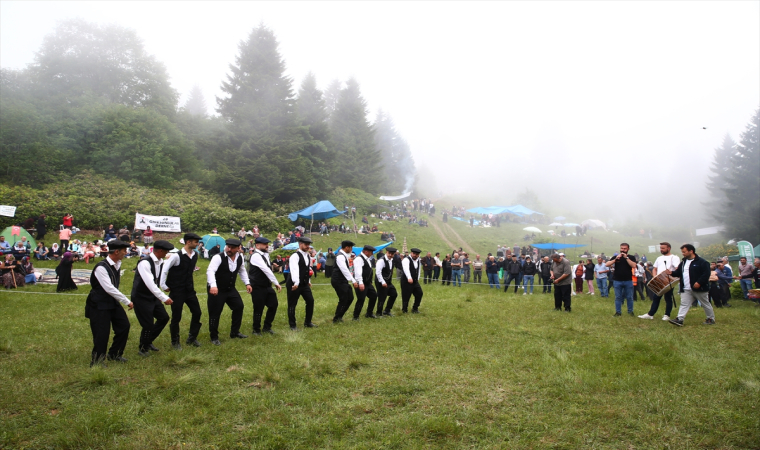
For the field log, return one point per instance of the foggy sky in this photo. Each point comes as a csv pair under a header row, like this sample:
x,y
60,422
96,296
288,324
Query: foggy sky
x,y
559,97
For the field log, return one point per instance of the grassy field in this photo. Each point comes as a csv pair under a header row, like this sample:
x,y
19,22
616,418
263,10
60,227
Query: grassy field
x,y
478,369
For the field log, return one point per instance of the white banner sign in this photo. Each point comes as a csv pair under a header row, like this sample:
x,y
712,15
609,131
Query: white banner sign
x,y
709,230
652,249
157,223
6,210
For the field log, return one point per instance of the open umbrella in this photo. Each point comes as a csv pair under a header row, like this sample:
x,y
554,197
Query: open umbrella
x,y
555,224
532,229
594,223
559,219
291,246
570,224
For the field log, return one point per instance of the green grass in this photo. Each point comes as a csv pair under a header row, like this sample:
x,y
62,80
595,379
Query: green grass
x,y
478,369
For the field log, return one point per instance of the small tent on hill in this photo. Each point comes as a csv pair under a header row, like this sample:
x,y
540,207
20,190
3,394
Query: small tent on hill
x,y
14,234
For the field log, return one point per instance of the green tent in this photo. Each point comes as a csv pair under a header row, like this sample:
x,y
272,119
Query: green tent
x,y
13,238
737,257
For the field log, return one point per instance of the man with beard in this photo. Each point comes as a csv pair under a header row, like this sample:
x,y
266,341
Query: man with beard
x,y
221,275
363,275
666,263
411,285
262,293
694,272
177,279
148,299
384,283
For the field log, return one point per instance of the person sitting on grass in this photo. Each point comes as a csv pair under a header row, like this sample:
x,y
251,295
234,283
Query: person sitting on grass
x,y
30,277
42,253
11,273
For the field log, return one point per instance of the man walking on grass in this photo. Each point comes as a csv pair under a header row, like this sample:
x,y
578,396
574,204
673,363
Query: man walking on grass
x,y
694,273
177,279
666,263
148,299
562,279
411,284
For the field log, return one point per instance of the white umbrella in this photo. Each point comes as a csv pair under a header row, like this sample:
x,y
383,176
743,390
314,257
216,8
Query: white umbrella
x,y
594,223
559,218
570,224
532,229
555,224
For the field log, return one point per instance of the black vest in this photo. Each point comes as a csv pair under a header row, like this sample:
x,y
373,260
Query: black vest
x,y
98,297
303,270
366,269
414,271
258,277
337,275
140,290
180,277
387,271
225,280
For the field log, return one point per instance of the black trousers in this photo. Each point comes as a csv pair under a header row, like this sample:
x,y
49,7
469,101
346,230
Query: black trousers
x,y
508,280
180,299
668,303
345,298
562,295
639,288
477,276
427,276
384,293
152,317
263,296
407,290
446,277
368,292
328,271
216,304
304,290
436,273
547,284
101,321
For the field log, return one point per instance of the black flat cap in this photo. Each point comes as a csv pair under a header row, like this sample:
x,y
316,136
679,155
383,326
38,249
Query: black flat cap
x,y
416,250
305,240
233,242
191,236
163,245
117,245
346,244
390,249
369,247
261,240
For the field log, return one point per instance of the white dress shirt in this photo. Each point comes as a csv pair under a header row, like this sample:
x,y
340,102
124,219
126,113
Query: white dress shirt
x,y
359,268
101,273
686,278
342,264
144,271
263,263
380,266
216,261
405,265
293,264
168,264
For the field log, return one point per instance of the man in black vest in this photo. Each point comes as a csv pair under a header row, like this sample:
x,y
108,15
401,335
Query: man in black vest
x,y
411,285
342,280
384,283
364,274
298,284
104,307
221,276
262,293
148,299
177,279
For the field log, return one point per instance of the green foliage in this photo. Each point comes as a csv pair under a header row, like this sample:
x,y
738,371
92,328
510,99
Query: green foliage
x,y
96,201
715,251
398,165
364,202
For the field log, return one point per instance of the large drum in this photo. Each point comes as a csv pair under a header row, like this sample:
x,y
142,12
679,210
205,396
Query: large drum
x,y
662,283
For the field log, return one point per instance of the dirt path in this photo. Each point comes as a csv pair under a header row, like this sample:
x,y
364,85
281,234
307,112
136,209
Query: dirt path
x,y
464,244
440,233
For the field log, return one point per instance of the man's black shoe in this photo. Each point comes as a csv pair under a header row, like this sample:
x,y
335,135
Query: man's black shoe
x,y
238,335
618,314
404,311
153,348
355,318
728,306
117,358
388,314
257,333
216,342
677,322
371,316
144,353
99,362
176,346
558,309
630,313
567,310
709,322
293,328
337,320
194,342
310,325
415,311
269,330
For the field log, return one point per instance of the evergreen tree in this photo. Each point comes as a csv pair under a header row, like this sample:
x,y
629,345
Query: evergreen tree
x,y
741,185
270,159
196,102
332,94
722,172
398,165
358,161
313,114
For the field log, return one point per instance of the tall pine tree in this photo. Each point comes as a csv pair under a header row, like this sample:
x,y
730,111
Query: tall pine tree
x,y
398,165
270,159
740,212
358,162
196,102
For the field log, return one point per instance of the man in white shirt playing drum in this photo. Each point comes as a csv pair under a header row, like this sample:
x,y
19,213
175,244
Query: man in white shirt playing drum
x,y
663,264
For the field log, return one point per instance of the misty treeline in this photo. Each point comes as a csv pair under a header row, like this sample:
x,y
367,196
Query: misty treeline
x,y
734,184
95,100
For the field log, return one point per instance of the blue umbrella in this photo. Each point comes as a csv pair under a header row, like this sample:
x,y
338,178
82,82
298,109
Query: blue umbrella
x,y
212,240
291,246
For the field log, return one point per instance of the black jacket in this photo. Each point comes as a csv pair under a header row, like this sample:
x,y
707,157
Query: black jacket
x,y
512,267
699,272
529,268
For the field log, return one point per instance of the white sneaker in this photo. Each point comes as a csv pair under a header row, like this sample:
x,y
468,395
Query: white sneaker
x,y
592,293
646,316
665,317
524,293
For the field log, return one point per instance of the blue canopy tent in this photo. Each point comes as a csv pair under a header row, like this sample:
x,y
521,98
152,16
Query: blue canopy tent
x,y
557,246
322,210
212,240
518,210
356,250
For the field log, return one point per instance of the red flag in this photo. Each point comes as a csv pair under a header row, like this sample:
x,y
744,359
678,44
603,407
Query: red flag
x,y
15,231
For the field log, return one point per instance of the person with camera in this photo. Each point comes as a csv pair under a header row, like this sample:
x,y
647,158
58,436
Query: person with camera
x,y
622,279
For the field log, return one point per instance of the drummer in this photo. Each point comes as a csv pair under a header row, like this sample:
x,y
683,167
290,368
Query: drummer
x,y
664,264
